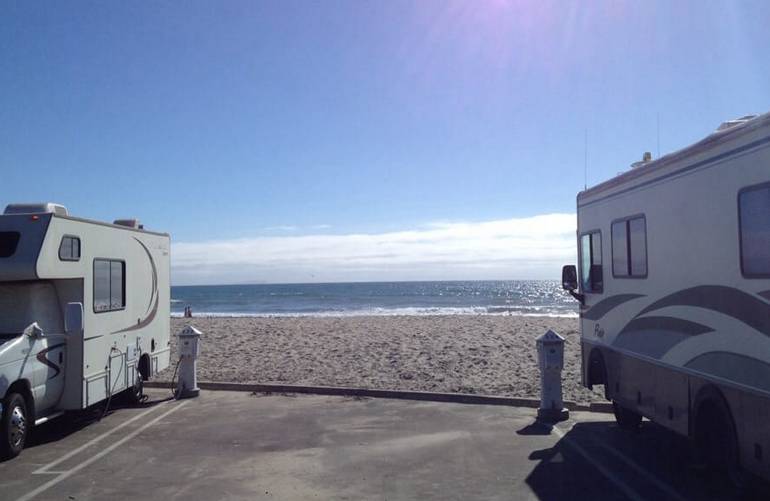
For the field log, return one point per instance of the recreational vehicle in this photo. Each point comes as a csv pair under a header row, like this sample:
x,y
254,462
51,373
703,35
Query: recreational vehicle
x,y
673,280
84,314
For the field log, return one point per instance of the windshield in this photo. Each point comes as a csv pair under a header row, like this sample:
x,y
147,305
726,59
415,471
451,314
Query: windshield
x,y
22,303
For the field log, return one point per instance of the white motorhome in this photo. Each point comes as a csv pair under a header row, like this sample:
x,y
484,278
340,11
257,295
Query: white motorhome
x,y
674,285
84,313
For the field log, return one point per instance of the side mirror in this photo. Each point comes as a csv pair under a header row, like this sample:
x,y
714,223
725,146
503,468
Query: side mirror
x,y
33,330
569,277
569,282
73,318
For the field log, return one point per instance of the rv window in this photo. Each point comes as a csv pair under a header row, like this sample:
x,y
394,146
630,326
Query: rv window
x,y
591,262
629,248
8,242
637,246
109,285
754,214
620,249
69,249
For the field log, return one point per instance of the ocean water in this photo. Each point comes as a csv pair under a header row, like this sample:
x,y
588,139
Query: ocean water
x,y
503,297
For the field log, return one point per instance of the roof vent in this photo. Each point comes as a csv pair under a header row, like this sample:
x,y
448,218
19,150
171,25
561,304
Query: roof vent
x,y
646,158
130,223
42,208
738,121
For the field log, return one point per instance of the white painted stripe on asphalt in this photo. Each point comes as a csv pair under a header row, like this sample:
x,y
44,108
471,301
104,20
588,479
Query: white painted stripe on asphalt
x,y
98,455
43,469
627,490
641,471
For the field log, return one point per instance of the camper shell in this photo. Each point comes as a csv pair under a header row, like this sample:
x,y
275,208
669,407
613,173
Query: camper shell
x,y
674,283
84,311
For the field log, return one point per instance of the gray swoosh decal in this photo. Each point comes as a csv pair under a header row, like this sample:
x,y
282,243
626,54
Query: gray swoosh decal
x,y
655,336
604,306
154,274
673,324
144,323
726,300
765,294
42,358
734,367
152,308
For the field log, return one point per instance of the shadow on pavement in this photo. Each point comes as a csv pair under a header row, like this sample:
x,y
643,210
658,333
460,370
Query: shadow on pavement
x,y
72,422
600,461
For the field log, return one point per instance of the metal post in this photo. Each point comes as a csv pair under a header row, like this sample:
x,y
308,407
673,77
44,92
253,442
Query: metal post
x,y
189,349
550,356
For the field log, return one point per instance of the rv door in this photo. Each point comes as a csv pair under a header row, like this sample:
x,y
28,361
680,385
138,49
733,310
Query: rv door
x,y
23,304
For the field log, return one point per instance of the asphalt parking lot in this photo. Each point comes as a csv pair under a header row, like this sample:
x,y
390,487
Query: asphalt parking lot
x,y
228,445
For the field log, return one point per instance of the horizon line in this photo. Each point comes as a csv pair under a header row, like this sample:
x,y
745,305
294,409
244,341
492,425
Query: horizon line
x,y
373,282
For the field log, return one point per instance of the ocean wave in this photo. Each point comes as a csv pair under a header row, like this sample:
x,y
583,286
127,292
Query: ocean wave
x,y
406,311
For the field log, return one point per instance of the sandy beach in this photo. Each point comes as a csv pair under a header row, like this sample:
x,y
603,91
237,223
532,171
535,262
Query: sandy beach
x,y
484,354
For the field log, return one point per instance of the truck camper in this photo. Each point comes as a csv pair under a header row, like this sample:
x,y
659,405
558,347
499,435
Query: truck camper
x,y
673,280
84,314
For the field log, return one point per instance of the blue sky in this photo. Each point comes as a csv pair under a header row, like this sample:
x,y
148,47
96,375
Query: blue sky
x,y
263,125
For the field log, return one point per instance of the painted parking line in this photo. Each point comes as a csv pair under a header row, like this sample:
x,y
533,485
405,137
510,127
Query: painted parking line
x,y
641,471
615,479
65,474
46,469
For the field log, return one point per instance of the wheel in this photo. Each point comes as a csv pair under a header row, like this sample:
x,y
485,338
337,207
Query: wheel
x,y
14,426
716,443
626,418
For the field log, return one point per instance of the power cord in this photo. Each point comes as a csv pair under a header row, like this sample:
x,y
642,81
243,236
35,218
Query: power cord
x,y
112,388
175,390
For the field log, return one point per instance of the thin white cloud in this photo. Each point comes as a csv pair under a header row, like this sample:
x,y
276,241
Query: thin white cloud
x,y
526,248
281,228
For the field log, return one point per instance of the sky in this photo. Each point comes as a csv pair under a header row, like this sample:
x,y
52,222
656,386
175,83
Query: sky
x,y
304,141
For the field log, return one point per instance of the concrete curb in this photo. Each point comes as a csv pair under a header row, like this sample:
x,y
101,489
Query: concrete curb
x,y
457,398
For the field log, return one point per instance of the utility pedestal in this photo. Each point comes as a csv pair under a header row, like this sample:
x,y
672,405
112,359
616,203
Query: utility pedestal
x,y
550,358
189,348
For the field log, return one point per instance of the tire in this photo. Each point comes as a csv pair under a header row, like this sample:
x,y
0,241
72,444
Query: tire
x,y
626,418
716,443
14,427
597,372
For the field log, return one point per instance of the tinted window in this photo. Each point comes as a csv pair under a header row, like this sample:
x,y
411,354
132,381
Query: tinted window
x,y
637,240
619,249
101,285
9,240
109,285
754,207
116,285
69,249
585,262
591,275
629,248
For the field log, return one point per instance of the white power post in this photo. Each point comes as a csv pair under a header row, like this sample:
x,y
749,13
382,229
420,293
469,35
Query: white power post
x,y
189,349
550,357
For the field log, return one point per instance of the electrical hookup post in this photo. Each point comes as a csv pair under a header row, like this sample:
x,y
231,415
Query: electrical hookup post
x,y
189,349
550,359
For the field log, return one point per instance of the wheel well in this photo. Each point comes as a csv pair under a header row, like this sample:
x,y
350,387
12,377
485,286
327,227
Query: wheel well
x,y
597,370
711,417
708,404
22,387
144,367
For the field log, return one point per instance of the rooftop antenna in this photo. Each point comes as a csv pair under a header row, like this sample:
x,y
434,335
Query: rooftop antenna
x,y
585,161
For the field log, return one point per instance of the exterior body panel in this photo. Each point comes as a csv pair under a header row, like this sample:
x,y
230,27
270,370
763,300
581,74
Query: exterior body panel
x,y
60,260
694,319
